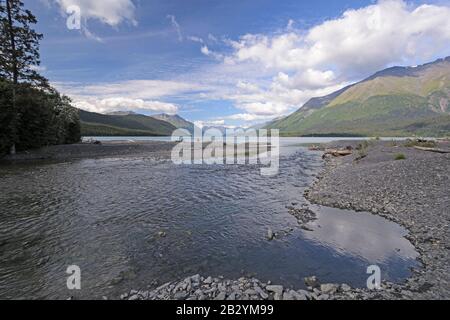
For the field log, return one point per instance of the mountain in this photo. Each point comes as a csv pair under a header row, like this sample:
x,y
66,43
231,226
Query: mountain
x,y
266,124
176,121
398,101
121,113
95,124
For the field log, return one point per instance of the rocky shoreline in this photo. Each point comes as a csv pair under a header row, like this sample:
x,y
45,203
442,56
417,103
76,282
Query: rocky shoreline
x,y
412,192
200,288
94,150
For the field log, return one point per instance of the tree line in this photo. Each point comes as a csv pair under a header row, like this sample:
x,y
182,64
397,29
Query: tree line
x,y
32,113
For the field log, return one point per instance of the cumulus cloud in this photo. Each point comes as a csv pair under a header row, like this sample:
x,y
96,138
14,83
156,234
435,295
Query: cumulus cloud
x,y
128,95
358,42
309,63
111,12
124,104
276,99
308,79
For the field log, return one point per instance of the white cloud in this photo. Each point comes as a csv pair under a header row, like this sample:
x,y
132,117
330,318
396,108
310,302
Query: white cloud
x,y
248,87
248,117
212,38
124,104
277,99
207,52
360,41
265,108
111,12
176,26
210,123
195,39
134,89
309,79
128,95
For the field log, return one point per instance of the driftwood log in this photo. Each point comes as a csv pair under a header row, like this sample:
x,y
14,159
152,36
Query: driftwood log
x,y
432,150
338,152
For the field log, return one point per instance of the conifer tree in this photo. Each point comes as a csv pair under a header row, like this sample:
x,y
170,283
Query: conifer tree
x,y
19,54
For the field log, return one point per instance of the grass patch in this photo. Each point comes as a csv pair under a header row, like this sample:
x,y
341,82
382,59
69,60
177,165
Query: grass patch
x,y
400,156
420,143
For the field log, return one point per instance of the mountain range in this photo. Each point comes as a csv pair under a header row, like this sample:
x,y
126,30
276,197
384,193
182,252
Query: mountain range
x,y
123,124
398,101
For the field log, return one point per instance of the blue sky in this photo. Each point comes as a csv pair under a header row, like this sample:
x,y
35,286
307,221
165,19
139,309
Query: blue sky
x,y
233,63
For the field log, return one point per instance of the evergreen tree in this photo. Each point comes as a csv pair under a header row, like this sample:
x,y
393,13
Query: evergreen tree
x,y
19,55
32,113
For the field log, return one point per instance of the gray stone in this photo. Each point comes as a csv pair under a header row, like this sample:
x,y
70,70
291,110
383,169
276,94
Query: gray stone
x,y
328,288
323,297
124,296
208,280
276,289
221,296
196,278
301,296
261,292
312,281
345,287
287,296
180,295
250,292
232,296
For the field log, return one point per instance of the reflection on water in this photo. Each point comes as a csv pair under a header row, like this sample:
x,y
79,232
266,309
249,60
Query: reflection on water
x,y
108,215
362,235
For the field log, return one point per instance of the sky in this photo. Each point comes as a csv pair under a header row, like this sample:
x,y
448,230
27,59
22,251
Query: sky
x,y
229,62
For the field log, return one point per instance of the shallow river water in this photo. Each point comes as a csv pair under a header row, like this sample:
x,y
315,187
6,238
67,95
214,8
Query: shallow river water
x,y
131,223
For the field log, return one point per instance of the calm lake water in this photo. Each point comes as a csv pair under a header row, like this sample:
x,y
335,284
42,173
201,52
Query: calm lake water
x,y
105,215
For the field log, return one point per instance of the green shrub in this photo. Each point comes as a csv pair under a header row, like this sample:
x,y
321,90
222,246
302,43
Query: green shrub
x,y
400,156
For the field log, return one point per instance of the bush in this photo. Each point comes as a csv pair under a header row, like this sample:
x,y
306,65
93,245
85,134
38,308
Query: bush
x,y
400,156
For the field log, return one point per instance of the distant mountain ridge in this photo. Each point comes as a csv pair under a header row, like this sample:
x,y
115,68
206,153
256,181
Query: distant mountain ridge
x,y
398,101
130,124
175,120
121,113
